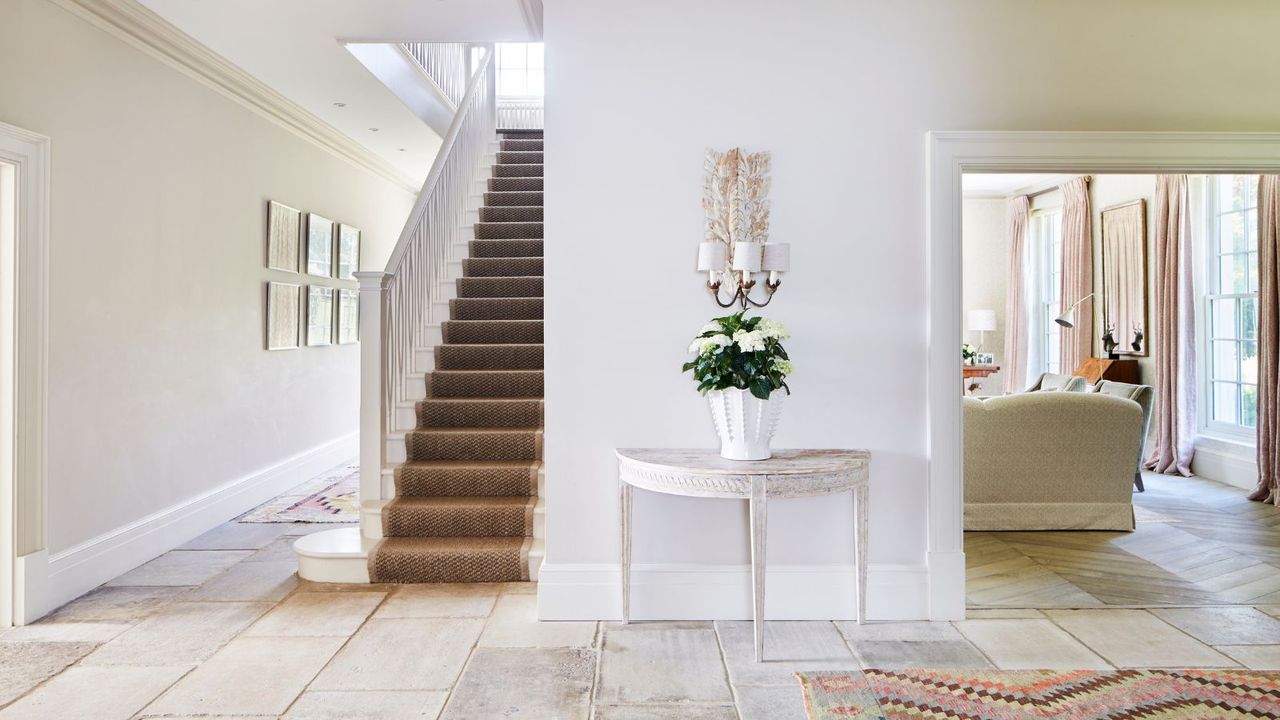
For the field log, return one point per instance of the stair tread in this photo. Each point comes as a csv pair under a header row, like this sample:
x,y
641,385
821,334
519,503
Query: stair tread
x,y
482,542
485,430
468,464
465,500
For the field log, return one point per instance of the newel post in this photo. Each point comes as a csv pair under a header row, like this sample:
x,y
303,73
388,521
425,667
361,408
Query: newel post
x,y
372,395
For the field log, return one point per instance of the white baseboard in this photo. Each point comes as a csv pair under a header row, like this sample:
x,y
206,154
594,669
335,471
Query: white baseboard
x,y
1233,464
79,569
723,592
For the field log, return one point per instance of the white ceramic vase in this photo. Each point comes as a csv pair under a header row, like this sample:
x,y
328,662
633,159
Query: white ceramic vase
x,y
744,422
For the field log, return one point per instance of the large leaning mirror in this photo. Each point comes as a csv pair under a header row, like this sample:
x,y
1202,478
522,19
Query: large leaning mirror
x,y
1124,279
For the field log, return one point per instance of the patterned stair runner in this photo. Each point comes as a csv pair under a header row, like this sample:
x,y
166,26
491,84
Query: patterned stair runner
x,y
464,504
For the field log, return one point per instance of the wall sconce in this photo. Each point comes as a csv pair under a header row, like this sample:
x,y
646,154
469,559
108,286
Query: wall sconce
x,y
748,258
735,197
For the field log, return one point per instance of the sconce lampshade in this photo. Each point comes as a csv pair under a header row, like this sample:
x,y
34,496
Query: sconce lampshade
x,y
746,256
982,320
712,256
776,257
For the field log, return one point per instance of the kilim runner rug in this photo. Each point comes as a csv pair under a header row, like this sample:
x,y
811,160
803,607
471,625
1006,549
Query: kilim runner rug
x,y
1036,694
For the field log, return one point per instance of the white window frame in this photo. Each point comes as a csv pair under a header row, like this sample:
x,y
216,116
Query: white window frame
x,y
1046,283
1206,255
502,49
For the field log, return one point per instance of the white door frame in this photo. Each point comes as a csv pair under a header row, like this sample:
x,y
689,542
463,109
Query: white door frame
x,y
24,273
949,156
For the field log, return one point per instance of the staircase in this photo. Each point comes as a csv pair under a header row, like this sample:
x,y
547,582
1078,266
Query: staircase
x,y
466,496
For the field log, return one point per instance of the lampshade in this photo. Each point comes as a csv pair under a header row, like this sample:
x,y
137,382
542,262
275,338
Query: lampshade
x,y
712,256
1067,319
746,256
982,320
776,257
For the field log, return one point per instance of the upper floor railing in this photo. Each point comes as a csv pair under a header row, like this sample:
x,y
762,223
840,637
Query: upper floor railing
x,y
520,113
445,64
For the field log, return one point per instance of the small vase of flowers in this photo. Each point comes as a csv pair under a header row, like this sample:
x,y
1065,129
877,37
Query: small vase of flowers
x,y
740,366
969,354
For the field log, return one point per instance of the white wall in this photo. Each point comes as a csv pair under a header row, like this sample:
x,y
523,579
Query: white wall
x,y
160,389
843,93
986,275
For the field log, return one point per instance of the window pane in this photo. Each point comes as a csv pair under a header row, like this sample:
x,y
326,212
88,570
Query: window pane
x,y
1231,232
535,83
1251,261
1231,192
511,83
1224,402
1251,229
1248,318
1232,273
1249,362
535,55
1249,405
1251,190
1222,318
1226,361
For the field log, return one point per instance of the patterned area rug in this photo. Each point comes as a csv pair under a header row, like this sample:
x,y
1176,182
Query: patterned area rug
x,y
1036,694
333,497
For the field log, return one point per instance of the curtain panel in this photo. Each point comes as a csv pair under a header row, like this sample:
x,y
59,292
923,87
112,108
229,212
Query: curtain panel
x,y
1077,274
1268,340
1174,342
1016,334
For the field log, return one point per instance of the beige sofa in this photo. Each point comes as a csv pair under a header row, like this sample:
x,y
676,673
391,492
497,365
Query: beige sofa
x,y
1145,396
1050,461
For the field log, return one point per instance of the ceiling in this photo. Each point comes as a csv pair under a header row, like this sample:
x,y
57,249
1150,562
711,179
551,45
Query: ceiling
x,y
294,47
1007,184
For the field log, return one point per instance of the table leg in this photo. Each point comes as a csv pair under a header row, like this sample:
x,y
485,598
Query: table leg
x,y
758,526
625,498
861,534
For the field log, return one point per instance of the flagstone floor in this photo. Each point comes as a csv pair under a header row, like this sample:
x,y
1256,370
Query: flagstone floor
x,y
222,628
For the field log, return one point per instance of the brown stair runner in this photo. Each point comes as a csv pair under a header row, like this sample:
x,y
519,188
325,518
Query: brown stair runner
x,y
463,510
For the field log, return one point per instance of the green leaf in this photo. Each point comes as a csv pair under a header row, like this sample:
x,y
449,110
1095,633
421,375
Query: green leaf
x,y
760,388
690,365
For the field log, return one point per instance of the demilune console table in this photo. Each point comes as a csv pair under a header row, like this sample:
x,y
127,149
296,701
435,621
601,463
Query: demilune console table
x,y
788,474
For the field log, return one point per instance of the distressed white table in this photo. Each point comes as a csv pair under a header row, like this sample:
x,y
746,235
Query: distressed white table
x,y
788,474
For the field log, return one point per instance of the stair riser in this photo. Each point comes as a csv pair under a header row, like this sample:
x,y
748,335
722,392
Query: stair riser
x,y
508,231
526,384
437,482
512,445
519,157
518,133
496,309
456,566
479,332
517,171
457,522
502,267
521,184
528,213
488,357
481,287
481,413
505,248
513,199
520,144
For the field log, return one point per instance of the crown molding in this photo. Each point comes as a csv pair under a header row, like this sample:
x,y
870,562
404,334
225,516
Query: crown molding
x,y
142,28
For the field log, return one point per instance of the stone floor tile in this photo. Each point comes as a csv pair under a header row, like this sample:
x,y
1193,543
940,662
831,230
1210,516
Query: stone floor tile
x,y
308,586
1224,625
524,682
23,665
648,665
117,604
100,693
317,615
250,582
1029,645
1254,657
278,550
1272,610
427,601
1001,613
514,623
48,631
675,711
250,676
181,567
778,702
408,654
1135,638
180,634
788,647
519,588
386,705
940,654
238,536
908,631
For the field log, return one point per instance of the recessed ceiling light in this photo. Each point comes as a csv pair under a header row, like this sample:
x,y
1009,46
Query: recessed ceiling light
x,y
339,104
401,149
373,129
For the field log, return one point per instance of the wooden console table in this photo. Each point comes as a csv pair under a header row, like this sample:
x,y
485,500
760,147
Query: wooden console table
x,y
788,474
975,371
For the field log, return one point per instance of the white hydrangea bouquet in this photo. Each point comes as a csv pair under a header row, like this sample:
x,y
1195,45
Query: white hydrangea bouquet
x,y
740,363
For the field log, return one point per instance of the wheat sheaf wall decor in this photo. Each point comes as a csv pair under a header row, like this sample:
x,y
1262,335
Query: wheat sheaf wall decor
x,y
735,243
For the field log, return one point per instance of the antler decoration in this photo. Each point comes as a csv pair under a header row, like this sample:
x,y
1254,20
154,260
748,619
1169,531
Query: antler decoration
x,y
735,200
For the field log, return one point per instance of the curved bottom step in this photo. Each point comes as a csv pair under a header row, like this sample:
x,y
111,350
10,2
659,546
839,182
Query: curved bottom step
x,y
341,555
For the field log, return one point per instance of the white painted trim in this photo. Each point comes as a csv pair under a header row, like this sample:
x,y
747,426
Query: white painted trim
x,y
137,25
77,570
723,592
26,329
948,156
1225,461
531,11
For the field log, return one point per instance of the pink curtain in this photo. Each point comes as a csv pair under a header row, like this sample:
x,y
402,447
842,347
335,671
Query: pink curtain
x,y
1077,274
1175,330
1268,340
1015,312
